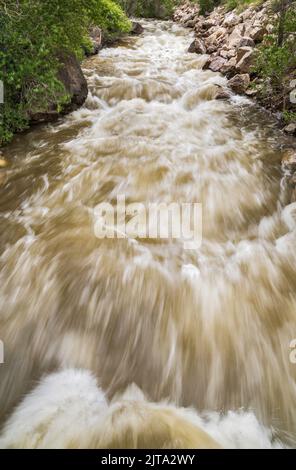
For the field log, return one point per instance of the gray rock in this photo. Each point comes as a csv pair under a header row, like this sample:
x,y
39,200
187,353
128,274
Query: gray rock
x,y
242,51
222,94
239,83
231,19
246,41
229,68
236,35
290,128
137,28
257,33
197,46
245,63
71,75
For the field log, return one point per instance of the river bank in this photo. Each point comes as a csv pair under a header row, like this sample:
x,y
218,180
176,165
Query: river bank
x,y
230,39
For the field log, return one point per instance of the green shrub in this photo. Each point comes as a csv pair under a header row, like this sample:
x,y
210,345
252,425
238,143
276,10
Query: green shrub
x,y
276,57
241,5
149,8
32,34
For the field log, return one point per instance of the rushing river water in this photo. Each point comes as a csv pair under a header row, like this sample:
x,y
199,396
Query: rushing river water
x,y
208,328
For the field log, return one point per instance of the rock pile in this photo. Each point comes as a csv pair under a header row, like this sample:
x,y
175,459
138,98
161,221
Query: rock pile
x,y
229,38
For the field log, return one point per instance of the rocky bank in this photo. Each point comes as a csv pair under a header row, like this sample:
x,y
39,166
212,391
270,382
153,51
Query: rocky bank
x,y
230,38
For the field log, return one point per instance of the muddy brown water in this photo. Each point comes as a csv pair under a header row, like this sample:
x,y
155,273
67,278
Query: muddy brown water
x,y
209,328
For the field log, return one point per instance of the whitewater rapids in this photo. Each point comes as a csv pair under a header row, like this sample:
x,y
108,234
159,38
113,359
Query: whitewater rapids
x,y
183,348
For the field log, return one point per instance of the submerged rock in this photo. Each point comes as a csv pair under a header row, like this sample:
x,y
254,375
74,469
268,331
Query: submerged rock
x,y
222,94
137,28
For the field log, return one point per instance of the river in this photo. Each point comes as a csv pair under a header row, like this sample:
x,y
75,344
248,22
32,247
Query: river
x,y
207,328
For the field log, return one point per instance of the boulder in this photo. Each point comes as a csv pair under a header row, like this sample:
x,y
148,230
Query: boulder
x,y
222,94
290,128
212,49
229,68
236,35
242,51
246,41
190,24
256,33
217,37
74,82
207,24
247,14
245,63
227,53
224,53
71,75
231,19
197,46
216,64
137,28
187,18
239,83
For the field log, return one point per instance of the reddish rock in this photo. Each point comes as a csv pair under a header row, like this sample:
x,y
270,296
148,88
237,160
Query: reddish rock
x,y
229,68
216,64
